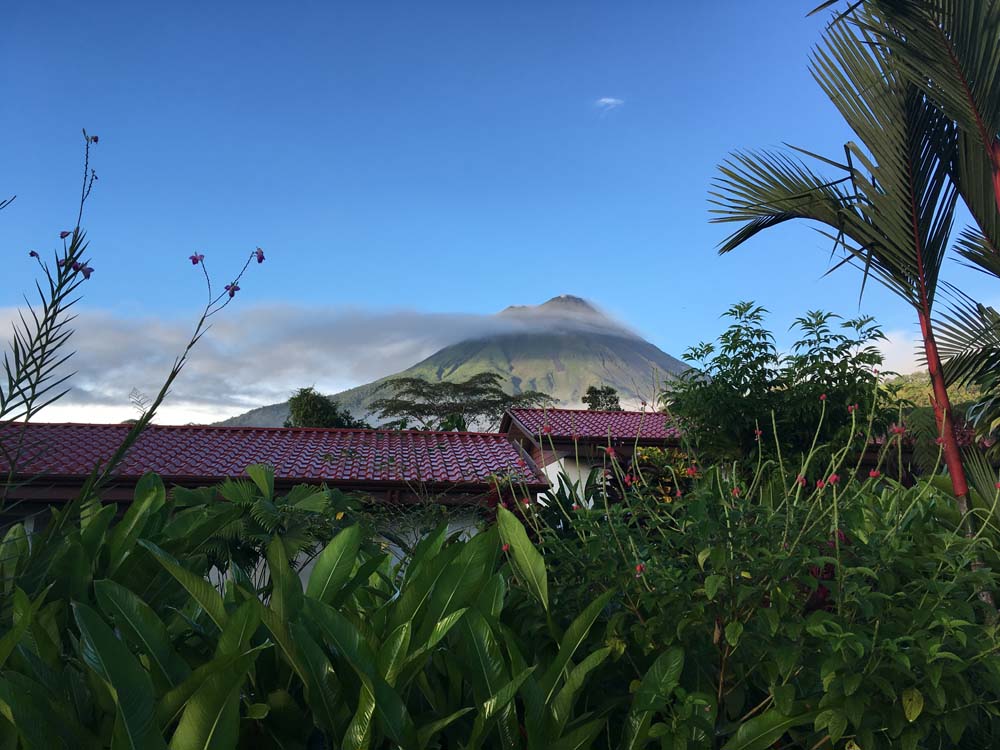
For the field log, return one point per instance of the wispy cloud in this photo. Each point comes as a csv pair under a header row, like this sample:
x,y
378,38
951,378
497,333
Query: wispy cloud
x,y
258,355
902,352
608,103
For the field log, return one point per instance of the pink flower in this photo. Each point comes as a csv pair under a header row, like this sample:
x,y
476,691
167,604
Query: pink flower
x,y
640,568
610,451
834,479
939,441
232,289
897,430
64,235
547,429
259,254
691,470
801,480
526,500
997,485
196,258
874,473
520,462
505,548
33,254
677,494
757,434
576,507
628,480
736,491
822,397
820,484
852,408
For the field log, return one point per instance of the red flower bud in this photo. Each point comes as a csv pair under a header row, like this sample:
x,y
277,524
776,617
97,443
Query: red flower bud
x,y
505,547
874,473
834,479
820,484
736,491
822,397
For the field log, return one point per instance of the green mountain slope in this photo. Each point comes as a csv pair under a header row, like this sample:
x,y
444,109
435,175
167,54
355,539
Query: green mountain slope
x,y
561,348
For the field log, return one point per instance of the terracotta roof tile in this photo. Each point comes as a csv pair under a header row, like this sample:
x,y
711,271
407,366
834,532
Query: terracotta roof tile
x,y
308,455
597,425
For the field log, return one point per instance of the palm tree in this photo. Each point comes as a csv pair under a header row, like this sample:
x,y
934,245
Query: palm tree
x,y
950,49
893,207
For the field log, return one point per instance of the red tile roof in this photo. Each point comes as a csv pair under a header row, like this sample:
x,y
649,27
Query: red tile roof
x,y
589,425
303,455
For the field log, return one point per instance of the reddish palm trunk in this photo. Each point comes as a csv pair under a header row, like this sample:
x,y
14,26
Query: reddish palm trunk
x,y
942,412
995,158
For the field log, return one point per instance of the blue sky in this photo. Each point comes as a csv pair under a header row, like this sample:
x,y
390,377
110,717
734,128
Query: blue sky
x,y
448,158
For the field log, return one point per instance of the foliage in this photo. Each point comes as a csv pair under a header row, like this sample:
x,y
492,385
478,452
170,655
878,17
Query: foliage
x,y
892,209
479,401
602,398
744,397
813,609
307,408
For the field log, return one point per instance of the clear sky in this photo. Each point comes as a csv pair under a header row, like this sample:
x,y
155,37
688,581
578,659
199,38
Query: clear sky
x,y
410,158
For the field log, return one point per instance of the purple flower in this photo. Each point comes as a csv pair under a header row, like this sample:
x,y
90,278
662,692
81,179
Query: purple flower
x,y
64,235
232,289
196,258
63,262
259,254
33,254
94,139
85,270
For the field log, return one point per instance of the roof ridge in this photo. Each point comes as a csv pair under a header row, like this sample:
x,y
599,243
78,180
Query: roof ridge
x,y
247,428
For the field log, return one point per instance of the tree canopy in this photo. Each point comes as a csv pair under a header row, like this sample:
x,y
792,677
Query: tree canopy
x,y
308,408
479,402
602,398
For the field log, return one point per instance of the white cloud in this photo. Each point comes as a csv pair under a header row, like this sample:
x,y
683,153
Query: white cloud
x,y
608,103
903,352
253,356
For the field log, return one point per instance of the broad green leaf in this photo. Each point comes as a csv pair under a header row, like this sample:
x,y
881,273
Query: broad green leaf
x,y
168,710
149,497
761,732
392,653
211,717
712,585
121,672
655,689
92,535
321,683
427,732
575,635
27,708
562,706
734,630
347,641
286,587
141,628
199,588
913,703
334,565
581,738
487,671
240,627
526,560
263,476
26,610
359,732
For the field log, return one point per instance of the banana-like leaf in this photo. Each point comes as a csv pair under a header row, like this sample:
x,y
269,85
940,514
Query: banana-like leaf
x,y
427,732
25,612
574,636
211,716
345,638
655,689
240,627
497,705
580,737
763,731
334,565
92,535
149,497
129,683
168,710
321,683
562,705
41,722
486,669
199,588
143,630
527,561
286,586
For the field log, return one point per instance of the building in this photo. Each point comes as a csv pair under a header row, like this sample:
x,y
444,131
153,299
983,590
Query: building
x,y
574,441
457,468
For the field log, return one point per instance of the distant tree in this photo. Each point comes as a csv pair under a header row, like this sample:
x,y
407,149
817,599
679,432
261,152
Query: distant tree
x,y
308,408
479,402
602,398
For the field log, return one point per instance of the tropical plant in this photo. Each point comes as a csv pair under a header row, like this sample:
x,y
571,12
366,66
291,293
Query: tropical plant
x,y
743,397
893,207
602,398
480,401
307,408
